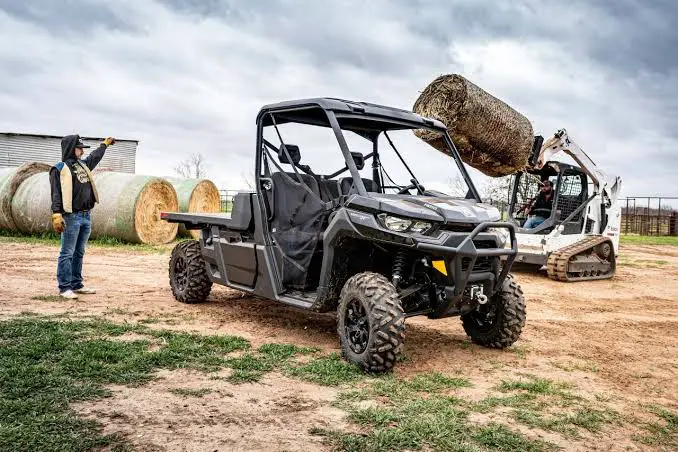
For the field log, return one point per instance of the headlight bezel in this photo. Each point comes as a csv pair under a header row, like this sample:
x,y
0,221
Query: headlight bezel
x,y
407,225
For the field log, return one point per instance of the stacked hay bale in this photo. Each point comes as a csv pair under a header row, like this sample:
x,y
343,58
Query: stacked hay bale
x,y
129,207
10,181
195,195
489,135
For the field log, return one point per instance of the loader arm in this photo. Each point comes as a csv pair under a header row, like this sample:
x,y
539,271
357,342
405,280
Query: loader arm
x,y
608,185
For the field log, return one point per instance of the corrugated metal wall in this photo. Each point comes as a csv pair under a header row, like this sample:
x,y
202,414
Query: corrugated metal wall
x,y
16,149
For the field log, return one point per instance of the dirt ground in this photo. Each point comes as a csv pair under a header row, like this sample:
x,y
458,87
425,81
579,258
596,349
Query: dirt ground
x,y
618,337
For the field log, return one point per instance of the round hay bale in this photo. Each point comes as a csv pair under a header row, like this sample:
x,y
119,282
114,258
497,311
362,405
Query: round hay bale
x,y
489,135
10,181
129,208
31,205
195,195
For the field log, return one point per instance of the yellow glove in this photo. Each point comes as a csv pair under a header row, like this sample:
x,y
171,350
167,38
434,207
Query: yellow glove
x,y
58,223
109,141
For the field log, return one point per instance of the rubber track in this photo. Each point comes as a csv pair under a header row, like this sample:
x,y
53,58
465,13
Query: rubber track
x,y
199,283
558,261
386,316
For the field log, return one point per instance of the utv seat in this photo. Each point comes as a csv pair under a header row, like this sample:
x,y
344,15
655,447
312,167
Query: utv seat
x,y
298,218
346,186
329,189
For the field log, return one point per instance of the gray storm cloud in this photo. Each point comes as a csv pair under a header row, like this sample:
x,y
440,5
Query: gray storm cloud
x,y
188,76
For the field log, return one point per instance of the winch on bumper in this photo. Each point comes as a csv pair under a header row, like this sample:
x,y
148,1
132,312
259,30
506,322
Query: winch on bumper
x,y
468,271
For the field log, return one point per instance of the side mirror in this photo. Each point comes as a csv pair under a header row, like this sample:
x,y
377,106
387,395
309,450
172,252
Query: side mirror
x,y
358,159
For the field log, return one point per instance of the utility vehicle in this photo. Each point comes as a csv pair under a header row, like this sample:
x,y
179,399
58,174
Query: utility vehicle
x,y
579,241
373,250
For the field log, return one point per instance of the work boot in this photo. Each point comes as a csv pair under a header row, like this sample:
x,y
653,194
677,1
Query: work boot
x,y
68,294
85,290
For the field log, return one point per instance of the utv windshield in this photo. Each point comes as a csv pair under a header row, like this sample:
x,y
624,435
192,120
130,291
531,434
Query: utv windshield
x,y
390,157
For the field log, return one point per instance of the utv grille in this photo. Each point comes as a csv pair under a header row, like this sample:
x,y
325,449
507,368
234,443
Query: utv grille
x,y
483,263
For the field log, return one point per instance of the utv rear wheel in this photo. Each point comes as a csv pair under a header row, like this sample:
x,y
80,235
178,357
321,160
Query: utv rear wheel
x,y
188,273
499,322
370,322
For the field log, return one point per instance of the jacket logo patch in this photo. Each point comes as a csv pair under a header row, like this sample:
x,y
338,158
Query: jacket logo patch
x,y
80,174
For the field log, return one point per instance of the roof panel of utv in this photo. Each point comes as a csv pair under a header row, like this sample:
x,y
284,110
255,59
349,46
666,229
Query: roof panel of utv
x,y
312,111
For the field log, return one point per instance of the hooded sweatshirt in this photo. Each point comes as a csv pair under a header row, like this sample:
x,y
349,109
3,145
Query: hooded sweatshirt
x,y
83,192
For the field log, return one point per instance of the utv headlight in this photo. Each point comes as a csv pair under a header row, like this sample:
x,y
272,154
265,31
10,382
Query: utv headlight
x,y
397,224
420,227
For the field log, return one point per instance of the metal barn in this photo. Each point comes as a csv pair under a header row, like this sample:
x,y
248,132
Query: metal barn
x,y
19,148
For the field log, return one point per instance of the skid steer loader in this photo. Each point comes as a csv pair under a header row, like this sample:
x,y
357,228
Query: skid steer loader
x,y
579,237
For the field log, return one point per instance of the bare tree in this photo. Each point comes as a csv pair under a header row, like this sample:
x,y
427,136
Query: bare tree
x,y
192,167
497,189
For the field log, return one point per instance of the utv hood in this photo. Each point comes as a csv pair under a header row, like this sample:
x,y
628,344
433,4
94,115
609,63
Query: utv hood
x,y
431,208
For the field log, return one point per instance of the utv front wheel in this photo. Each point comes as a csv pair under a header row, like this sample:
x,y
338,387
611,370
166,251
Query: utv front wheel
x,y
370,322
499,322
188,274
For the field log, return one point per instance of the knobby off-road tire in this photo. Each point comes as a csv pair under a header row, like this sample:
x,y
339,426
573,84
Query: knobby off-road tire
x,y
499,323
370,322
188,273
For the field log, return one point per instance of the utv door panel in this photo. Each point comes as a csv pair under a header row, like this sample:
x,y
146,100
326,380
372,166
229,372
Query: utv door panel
x,y
240,261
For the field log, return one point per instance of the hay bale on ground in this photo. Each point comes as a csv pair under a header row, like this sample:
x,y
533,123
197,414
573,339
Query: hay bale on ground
x,y
490,135
10,180
195,195
129,207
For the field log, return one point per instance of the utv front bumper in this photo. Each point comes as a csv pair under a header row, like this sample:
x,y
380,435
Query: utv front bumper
x,y
460,263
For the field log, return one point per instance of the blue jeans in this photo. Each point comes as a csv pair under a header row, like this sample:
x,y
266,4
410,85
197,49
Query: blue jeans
x,y
73,241
533,222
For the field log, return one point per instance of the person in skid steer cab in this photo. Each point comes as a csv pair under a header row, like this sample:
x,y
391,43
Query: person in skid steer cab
x,y
540,207
73,195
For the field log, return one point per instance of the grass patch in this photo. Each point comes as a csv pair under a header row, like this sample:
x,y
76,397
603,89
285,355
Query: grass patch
x,y
46,363
418,413
48,298
631,239
571,366
535,386
663,432
51,238
188,392
329,370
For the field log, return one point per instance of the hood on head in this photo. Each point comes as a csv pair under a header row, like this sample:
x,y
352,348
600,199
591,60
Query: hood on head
x,y
68,145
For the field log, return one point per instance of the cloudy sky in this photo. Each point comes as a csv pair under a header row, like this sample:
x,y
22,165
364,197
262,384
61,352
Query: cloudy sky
x,y
187,76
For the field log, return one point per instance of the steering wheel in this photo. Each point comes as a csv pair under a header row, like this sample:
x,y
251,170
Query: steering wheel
x,y
405,190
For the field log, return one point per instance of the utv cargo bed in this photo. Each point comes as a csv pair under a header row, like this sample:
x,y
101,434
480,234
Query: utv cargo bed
x,y
240,221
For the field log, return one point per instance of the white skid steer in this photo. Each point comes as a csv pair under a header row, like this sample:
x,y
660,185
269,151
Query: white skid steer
x,y
578,239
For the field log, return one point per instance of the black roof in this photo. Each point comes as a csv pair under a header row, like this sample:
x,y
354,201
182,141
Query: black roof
x,y
306,111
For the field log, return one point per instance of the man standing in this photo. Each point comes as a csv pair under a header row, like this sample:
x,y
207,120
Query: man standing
x,y
73,196
541,206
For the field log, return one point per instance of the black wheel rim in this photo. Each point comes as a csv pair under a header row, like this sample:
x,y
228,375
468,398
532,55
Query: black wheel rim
x,y
357,326
486,316
180,277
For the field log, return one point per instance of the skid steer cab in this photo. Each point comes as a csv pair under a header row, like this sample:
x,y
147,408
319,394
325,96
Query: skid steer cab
x,y
341,220
572,231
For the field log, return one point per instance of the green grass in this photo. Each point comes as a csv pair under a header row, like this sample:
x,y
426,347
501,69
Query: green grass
x,y
535,386
641,263
663,432
630,239
188,392
47,363
48,298
418,413
329,370
51,238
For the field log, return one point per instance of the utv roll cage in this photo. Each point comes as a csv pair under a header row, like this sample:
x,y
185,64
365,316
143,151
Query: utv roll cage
x,y
365,119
